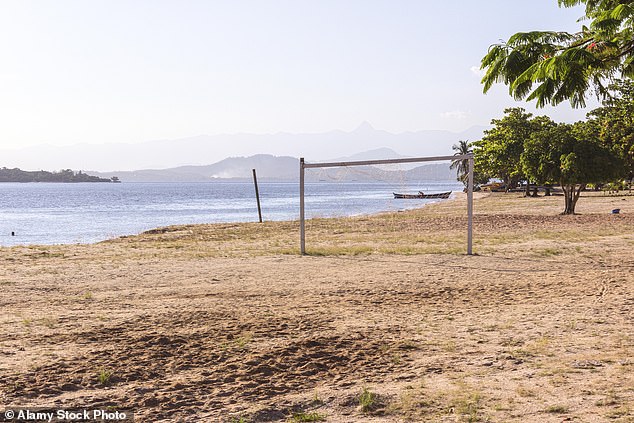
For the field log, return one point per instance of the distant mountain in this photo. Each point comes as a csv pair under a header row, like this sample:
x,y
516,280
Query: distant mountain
x,y
205,149
285,168
266,165
237,168
376,154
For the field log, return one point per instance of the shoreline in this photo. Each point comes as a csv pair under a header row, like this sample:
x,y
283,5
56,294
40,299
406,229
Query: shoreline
x,y
158,228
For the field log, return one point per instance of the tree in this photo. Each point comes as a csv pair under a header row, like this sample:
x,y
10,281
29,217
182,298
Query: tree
x,y
613,123
568,155
498,153
565,66
461,165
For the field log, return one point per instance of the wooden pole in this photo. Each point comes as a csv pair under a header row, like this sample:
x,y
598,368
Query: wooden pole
x,y
302,239
470,208
257,195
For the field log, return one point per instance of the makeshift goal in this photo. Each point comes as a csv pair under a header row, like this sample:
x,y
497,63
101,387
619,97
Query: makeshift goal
x,y
303,166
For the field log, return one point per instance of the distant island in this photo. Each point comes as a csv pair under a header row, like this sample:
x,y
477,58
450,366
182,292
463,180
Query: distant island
x,y
65,175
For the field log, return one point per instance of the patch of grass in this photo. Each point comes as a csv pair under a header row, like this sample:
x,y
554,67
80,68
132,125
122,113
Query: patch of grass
x,y
502,407
46,254
611,399
521,354
466,404
525,392
317,399
353,250
289,251
557,409
27,322
619,412
532,349
308,417
367,400
397,359
87,296
511,342
413,403
104,377
423,249
49,322
241,343
450,346
547,252
16,386
408,345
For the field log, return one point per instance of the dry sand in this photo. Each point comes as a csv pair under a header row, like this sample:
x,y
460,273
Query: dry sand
x,y
228,323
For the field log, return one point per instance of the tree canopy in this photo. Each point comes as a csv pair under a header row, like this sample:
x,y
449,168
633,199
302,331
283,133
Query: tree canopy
x,y
462,165
570,156
613,123
498,153
521,147
553,66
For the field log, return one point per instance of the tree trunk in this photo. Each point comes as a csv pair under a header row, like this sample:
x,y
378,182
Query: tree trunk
x,y
567,199
571,196
527,193
547,191
534,194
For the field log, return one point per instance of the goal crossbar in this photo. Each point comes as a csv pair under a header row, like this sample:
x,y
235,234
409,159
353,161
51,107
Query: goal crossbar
x,y
386,161
303,165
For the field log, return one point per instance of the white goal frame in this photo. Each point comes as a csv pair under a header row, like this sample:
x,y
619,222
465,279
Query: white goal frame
x,y
303,166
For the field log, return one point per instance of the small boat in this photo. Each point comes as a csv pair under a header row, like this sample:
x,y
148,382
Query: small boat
x,y
423,195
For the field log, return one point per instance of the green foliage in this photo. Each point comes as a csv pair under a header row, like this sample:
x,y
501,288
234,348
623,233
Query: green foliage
x,y
523,147
498,153
557,409
539,160
308,417
462,165
570,156
613,123
367,400
551,66
104,377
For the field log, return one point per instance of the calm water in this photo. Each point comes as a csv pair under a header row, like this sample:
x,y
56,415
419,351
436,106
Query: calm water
x,y
41,213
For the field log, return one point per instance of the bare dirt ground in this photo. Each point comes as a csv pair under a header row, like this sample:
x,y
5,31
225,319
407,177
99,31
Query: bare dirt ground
x,y
385,320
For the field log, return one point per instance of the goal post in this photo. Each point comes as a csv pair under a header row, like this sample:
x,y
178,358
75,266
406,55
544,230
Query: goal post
x,y
303,166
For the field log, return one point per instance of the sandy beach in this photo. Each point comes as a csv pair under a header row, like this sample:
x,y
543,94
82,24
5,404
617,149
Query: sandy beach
x,y
386,320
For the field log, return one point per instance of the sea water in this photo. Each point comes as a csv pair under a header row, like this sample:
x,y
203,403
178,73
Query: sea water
x,y
58,213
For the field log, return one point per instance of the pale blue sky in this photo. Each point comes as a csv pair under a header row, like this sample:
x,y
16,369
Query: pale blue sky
x,y
131,71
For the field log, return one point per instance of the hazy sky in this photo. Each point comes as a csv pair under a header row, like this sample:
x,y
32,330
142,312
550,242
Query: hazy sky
x,y
90,71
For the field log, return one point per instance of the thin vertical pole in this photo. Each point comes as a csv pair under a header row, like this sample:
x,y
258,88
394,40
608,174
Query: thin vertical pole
x,y
470,208
257,195
302,240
